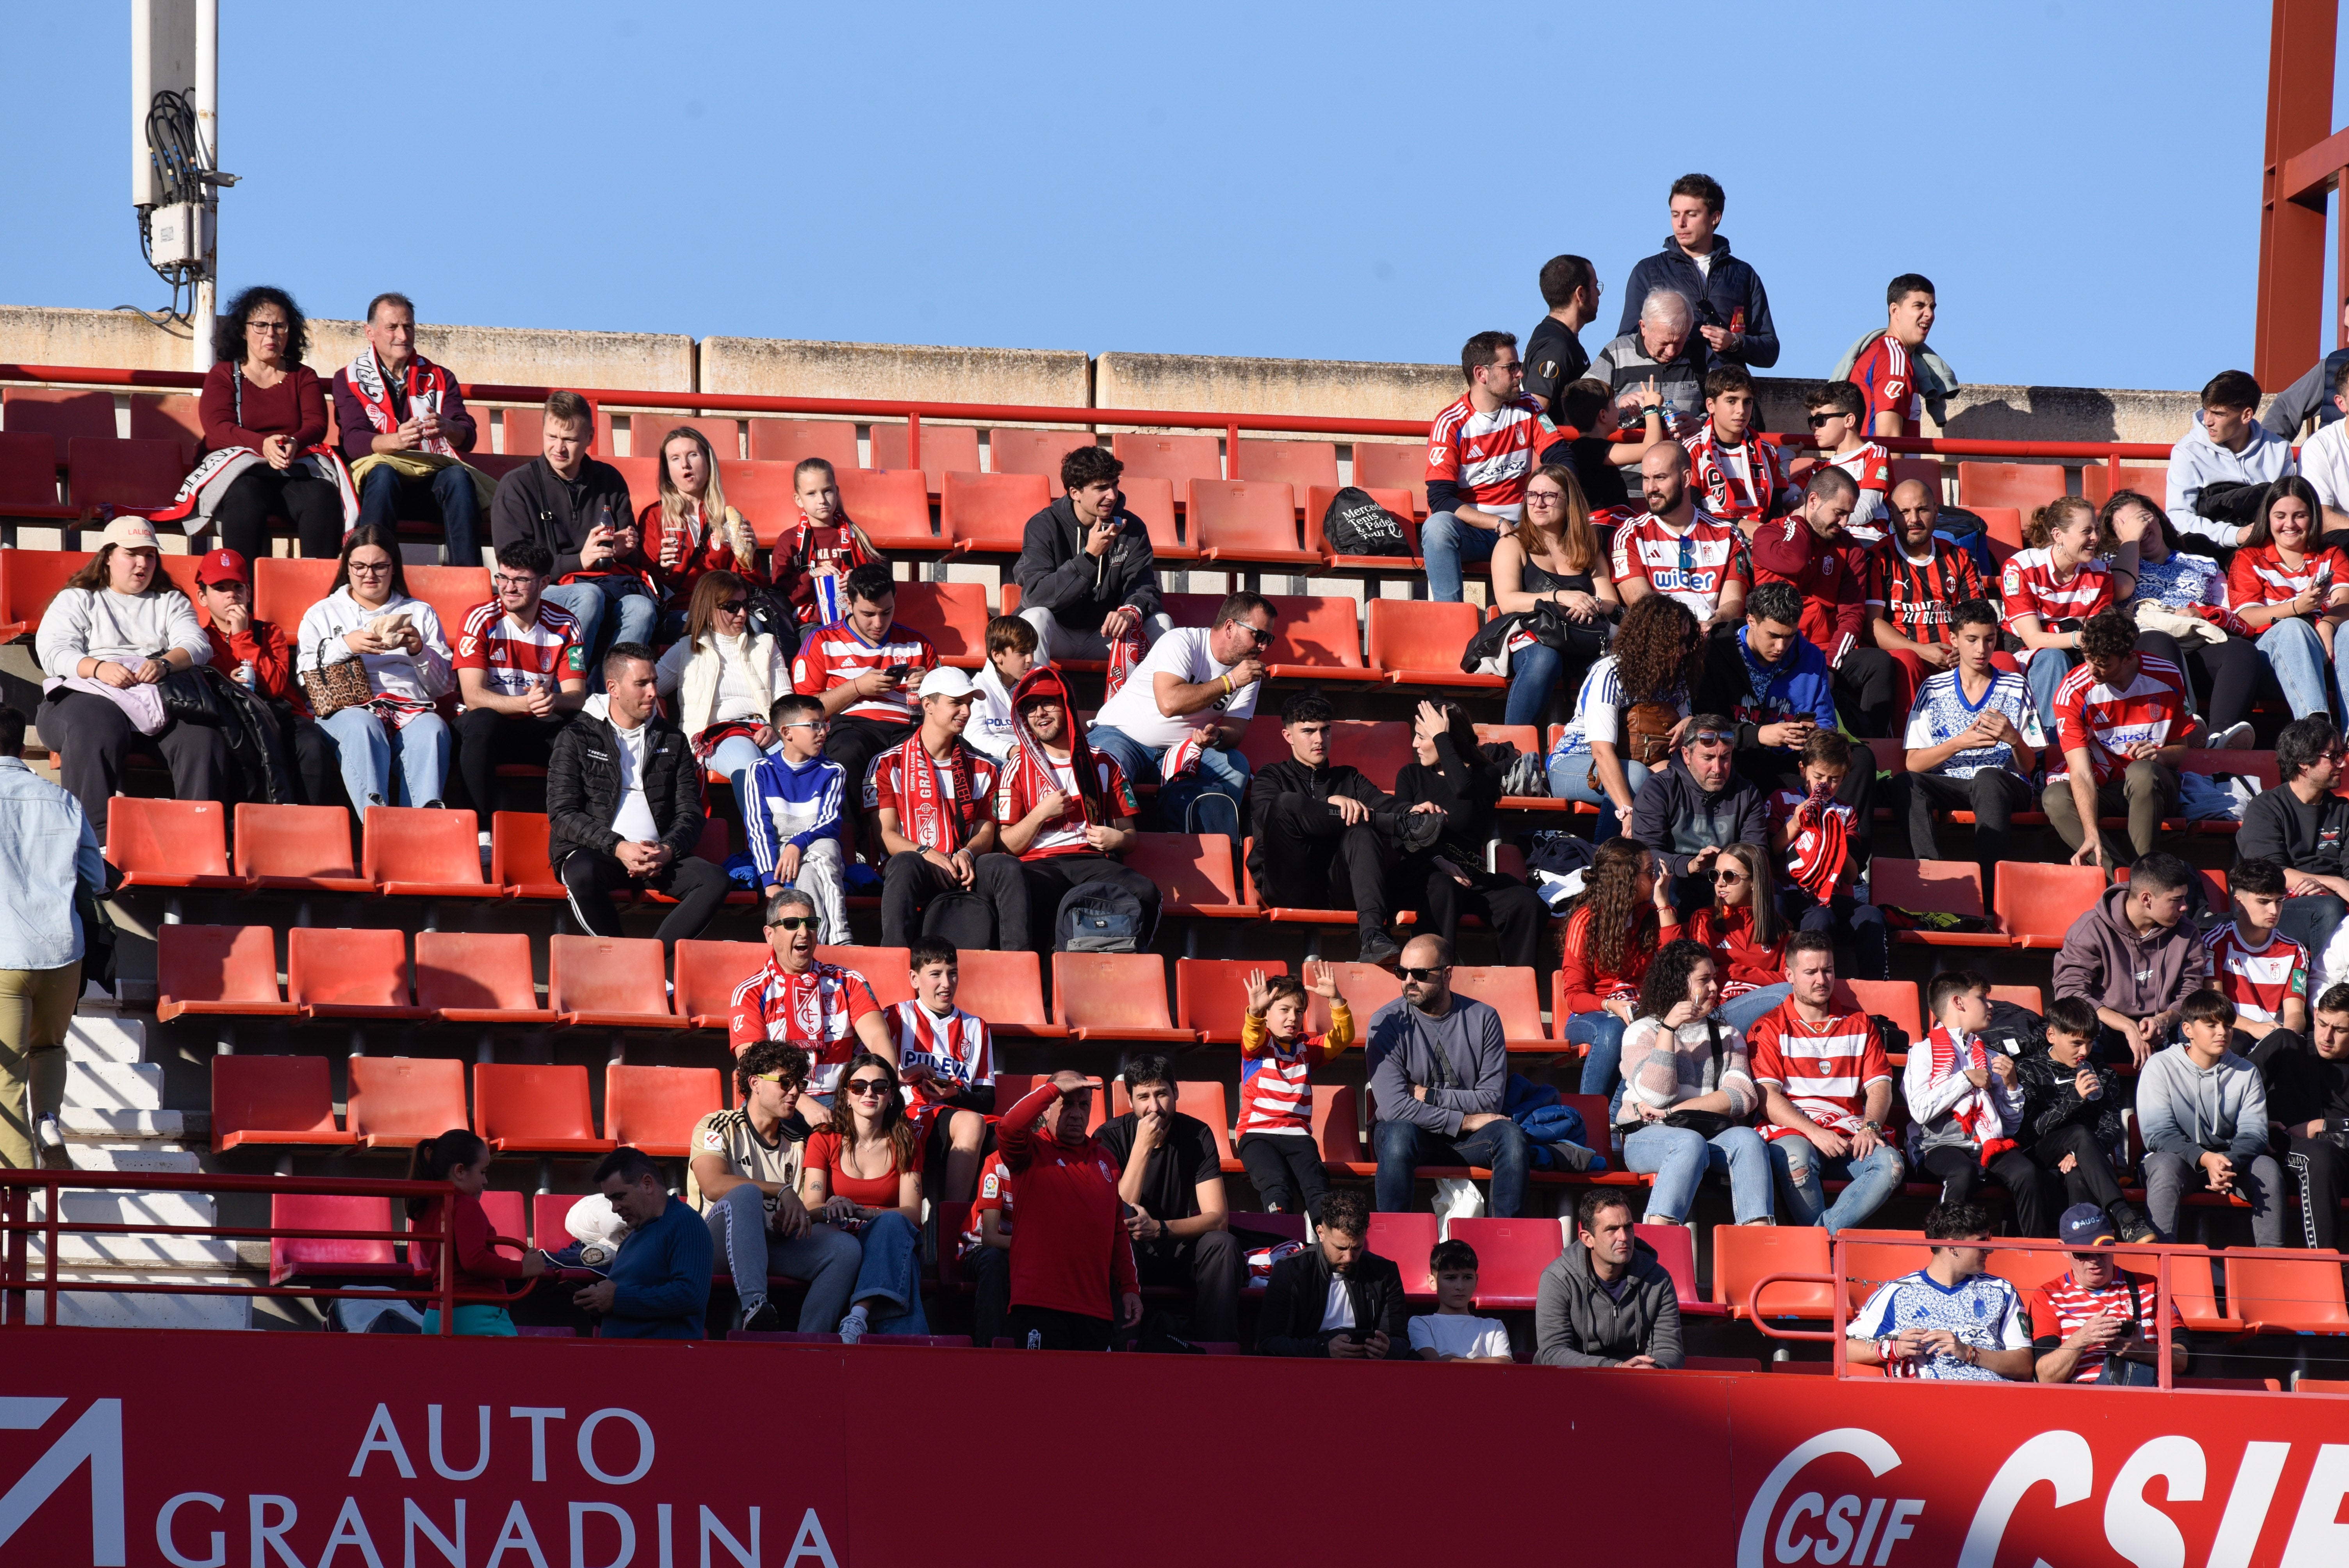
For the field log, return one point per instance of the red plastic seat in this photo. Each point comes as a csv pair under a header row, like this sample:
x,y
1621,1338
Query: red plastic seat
x,y
655,1108
396,1102
480,978
1153,501
58,412
29,579
1398,504
648,432
1869,1265
1300,465
1010,1088
272,1100
790,440
609,983
2027,1269
2024,486
2193,1289
422,852
453,591
1388,464
946,449
312,1257
1180,459
1510,1257
28,476
548,1211
2004,526
2028,997
1946,887
989,514
1337,1127
642,476
1246,521
1676,1251
1007,989
952,615
2097,484
518,859
1034,451
137,476
169,844
1366,987
525,433
226,970
1417,642
1193,874
888,970
536,1110
1315,637
1211,995
1742,1254
178,417
1114,997
1893,999
358,975
2037,903
1510,991
297,848
2286,1295
892,507
706,974
284,587
1405,1240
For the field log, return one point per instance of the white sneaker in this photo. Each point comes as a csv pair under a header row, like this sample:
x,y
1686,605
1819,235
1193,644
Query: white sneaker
x,y
2236,737
484,839
852,1328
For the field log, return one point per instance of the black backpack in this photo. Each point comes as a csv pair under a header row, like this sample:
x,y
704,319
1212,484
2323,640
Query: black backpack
x,y
2013,1029
1356,525
1100,918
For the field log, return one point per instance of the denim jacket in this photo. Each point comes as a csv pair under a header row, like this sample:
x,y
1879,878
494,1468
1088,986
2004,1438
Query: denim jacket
x,y
46,846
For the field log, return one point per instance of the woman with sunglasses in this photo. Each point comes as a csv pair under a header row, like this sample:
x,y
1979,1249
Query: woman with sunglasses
x,y
1613,928
1552,559
1657,661
1689,1095
368,616
722,681
1742,930
863,1176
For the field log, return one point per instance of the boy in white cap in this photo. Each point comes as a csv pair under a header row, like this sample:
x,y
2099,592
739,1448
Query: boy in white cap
x,y
933,799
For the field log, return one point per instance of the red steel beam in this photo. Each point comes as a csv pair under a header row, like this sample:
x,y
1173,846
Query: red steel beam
x,y
2289,331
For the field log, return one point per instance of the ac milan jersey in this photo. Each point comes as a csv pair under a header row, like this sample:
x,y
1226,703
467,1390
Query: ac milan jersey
x,y
1917,596
2260,576
2032,588
1692,567
515,660
816,1011
2059,1309
1886,376
836,654
1824,1068
2258,980
2108,720
1489,458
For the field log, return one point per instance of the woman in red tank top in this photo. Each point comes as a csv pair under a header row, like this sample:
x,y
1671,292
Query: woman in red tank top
x,y
864,1175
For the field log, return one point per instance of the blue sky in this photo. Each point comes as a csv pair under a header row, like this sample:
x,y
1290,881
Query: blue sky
x,y
1365,181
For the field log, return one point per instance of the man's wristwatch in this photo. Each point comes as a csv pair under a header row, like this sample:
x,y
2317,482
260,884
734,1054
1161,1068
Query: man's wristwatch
x,y
1873,1128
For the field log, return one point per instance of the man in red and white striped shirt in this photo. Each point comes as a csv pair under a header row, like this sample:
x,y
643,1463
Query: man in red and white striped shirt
x,y
522,674
2122,721
947,1061
1480,452
865,668
1679,550
2096,1311
1886,370
1826,1088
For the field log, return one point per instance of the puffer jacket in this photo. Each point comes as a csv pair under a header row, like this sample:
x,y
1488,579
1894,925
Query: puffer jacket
x,y
1577,1324
2051,1098
583,786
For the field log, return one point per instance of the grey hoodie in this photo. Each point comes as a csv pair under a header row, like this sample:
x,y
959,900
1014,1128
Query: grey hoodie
x,y
2188,1111
2105,961
2196,461
1577,1324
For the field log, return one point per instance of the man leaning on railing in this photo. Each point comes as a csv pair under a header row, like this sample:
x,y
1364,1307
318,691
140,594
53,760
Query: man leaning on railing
x,y
47,850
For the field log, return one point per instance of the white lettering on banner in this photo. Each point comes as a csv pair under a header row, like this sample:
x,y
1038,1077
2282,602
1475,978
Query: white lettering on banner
x,y
350,1530
2060,1459
2318,1537
809,1543
587,1447
2136,1529
2247,1504
432,1446
413,1519
618,1515
170,1549
257,1507
516,1536
1856,1442
710,1526
382,1438
538,1415
97,1437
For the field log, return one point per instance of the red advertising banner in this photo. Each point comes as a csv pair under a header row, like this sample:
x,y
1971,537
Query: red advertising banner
x,y
391,1452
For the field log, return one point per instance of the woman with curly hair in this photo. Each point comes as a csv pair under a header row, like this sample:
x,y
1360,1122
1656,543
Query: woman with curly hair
x,y
1612,930
1689,1095
260,398
2073,568
1658,659
1742,930
1552,559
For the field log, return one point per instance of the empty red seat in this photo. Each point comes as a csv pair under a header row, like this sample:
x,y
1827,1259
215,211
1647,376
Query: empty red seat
x,y
1114,997
1298,464
536,1110
2286,1295
888,970
1744,1254
1337,1125
2037,903
2024,486
648,432
989,514
175,416
1398,504
655,1108
1246,521
396,1102
1007,989
1034,451
272,1100
1211,995
1893,999
952,615
453,591
609,983
28,475
479,978
946,449
347,973
1180,458
790,440
1510,991
134,474
423,852
2027,997
892,507
297,848
1510,1257
284,587
1406,1240
29,579
227,970
1389,465
2097,483
1676,1251
61,413
1193,874
169,844
1946,887
549,1212
706,974
2027,1269
1418,642
518,861
331,1257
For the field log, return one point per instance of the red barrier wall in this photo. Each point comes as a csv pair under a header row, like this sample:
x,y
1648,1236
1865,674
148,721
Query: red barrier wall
x,y
322,1451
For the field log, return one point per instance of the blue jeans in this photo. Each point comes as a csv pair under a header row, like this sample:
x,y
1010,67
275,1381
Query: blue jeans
x,y
1498,1146
486,1319
632,619
1532,675
1678,1157
1602,1036
1208,800
1741,1013
1569,779
2043,674
2296,653
736,756
365,748
891,1272
453,498
1449,544
1874,1178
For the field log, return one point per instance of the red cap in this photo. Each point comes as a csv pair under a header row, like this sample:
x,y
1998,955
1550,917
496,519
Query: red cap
x,y
223,566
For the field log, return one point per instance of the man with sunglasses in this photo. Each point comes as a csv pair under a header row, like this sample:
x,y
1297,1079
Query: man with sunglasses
x,y
1837,416
827,1009
1438,1070
1696,806
2303,827
1177,720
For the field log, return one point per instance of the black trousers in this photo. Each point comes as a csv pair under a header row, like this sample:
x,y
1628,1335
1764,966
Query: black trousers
x,y
989,1270
1867,688
1313,860
2320,1168
2090,1178
592,879
1515,911
1285,1172
1962,1175
312,506
1209,1266
485,739
1049,878
854,741
2231,673
1993,795
918,899
1047,1329
92,738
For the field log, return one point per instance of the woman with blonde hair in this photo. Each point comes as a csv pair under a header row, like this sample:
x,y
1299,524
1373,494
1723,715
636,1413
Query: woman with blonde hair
x,y
721,680
2073,568
690,531
1552,557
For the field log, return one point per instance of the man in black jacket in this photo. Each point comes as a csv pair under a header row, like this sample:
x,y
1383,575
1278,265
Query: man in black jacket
x,y
1732,310
1086,571
2303,827
1361,1319
1696,806
561,498
1323,833
624,807
2309,1102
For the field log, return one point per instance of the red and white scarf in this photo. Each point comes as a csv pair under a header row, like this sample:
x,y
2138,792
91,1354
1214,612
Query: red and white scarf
x,y
200,494
1975,1111
1125,654
930,819
1820,848
1028,772
424,384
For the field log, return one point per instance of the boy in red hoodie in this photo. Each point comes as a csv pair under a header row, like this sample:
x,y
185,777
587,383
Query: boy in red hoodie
x,y
1071,1253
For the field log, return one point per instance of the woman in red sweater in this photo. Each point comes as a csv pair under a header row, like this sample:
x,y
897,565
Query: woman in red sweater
x,y
868,1181
461,1158
1748,940
259,395
1613,928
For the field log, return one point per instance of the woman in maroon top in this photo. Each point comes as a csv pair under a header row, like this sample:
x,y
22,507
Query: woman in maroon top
x,y
462,1160
868,1181
259,394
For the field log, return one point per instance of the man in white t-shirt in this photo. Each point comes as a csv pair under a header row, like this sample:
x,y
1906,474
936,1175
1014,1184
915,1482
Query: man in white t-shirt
x,y
1177,720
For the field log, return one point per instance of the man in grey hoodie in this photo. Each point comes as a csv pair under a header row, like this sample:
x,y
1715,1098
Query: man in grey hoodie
x,y
2225,445
1607,1301
2204,1115
2135,958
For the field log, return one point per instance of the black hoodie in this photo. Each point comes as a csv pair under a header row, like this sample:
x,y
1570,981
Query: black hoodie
x,y
1081,589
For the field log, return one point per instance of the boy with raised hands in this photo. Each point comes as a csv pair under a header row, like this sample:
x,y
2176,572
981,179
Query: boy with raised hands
x,y
1276,1059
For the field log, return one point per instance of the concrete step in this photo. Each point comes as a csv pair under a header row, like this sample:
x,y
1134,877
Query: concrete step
x,y
95,1124
96,1037
174,1253
145,1158
129,1206
119,1309
113,1085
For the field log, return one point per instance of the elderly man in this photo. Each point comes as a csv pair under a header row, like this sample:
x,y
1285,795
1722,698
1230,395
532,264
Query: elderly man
x,y
933,799
827,1009
1086,571
1177,720
1810,550
1480,452
659,1284
2094,1323
1657,367
1732,310
1678,550
1439,1071
1696,806
405,429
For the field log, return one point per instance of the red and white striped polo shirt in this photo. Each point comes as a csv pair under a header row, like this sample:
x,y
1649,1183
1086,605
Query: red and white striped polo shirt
x,y
1487,458
1824,1068
1692,568
2108,720
2058,1309
2260,576
836,654
2030,588
2257,980
513,659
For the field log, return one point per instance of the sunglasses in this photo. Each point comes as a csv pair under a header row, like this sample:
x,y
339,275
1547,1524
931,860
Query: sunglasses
x,y
868,1089
1726,876
779,1079
1262,637
794,922
1712,737
734,606
1423,975
1819,419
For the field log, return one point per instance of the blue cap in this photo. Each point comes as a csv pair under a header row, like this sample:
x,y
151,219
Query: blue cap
x,y
2085,1225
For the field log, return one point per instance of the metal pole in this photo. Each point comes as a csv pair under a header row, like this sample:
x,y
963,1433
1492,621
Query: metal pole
x,y
207,140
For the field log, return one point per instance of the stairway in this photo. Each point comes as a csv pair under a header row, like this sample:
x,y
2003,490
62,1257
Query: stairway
x,y
112,1120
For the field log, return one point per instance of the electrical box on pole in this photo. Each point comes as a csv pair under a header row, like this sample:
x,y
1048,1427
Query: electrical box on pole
x,y
175,175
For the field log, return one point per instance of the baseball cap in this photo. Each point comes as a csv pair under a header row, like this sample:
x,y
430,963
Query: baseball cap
x,y
2085,1225
948,681
132,532
223,566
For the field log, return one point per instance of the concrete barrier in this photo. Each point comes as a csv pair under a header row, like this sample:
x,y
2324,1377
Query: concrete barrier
x,y
785,368
1358,389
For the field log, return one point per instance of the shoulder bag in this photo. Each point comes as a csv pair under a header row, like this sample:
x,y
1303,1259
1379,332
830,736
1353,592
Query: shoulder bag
x,y
1710,1124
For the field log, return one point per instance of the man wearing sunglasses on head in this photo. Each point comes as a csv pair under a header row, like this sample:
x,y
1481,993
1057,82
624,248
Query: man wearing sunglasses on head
x,y
1438,1070
827,1009
1177,720
1696,806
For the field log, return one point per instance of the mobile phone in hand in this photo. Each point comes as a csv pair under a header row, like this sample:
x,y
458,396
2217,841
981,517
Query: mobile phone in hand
x,y
896,671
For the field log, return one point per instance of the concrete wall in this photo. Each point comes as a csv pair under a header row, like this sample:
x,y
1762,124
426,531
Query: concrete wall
x,y
1367,390
783,367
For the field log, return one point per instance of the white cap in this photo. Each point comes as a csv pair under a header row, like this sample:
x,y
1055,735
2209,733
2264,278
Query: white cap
x,y
948,681
134,532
